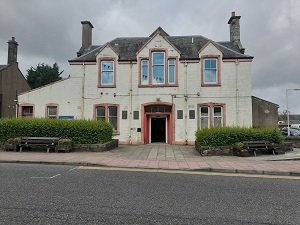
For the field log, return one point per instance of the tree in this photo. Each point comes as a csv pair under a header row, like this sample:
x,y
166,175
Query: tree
x,y
43,74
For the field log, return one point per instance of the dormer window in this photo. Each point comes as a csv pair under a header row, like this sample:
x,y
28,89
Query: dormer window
x,y
210,71
107,73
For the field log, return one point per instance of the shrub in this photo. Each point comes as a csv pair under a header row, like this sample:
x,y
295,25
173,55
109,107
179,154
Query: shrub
x,y
79,131
221,136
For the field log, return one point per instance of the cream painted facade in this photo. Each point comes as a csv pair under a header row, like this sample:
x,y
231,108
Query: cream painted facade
x,y
80,94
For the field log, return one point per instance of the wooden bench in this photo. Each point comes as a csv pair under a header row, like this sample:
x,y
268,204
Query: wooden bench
x,y
264,146
29,142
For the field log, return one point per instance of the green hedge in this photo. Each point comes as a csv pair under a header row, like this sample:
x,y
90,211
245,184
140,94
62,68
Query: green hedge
x,y
223,136
80,131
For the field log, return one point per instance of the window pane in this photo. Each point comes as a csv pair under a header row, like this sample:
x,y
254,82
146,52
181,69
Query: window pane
x,y
107,66
210,76
114,122
144,75
27,109
171,71
52,111
100,112
158,58
107,72
204,122
113,111
107,77
217,121
204,111
158,74
217,111
210,70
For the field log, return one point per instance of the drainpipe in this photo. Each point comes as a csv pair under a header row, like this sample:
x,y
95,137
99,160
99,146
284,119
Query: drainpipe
x,y
130,112
185,101
82,90
237,92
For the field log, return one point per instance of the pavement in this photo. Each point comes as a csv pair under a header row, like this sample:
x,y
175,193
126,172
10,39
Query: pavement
x,y
167,157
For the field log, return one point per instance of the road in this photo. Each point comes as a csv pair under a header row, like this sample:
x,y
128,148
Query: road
x,y
52,194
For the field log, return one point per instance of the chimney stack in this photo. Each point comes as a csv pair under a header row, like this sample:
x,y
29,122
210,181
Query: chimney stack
x,y
86,36
234,26
12,51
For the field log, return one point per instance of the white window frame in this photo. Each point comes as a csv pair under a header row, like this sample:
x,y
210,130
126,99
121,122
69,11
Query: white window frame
x,y
48,114
113,72
144,82
153,65
106,114
214,116
215,69
201,116
174,66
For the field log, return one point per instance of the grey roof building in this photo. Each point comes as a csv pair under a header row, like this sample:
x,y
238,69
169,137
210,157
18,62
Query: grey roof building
x,y
188,46
12,82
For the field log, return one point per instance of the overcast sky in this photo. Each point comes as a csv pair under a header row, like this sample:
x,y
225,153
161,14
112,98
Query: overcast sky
x,y
49,31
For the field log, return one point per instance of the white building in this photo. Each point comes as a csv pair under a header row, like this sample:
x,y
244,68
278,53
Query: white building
x,y
159,88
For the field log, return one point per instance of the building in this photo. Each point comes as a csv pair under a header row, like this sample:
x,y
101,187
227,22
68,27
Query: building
x,y
12,82
264,113
159,88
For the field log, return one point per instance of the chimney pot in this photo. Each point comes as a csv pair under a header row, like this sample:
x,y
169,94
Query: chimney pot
x,y
232,13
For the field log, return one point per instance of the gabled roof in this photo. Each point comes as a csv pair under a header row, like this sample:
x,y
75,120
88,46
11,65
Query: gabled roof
x,y
189,47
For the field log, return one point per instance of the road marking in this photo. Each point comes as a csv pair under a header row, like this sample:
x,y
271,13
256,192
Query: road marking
x,y
189,172
46,177
73,169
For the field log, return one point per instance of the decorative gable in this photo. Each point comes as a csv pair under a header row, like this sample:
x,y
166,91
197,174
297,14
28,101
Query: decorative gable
x,y
106,52
210,49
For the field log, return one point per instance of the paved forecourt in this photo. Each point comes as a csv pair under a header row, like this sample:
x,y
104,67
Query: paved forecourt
x,y
163,156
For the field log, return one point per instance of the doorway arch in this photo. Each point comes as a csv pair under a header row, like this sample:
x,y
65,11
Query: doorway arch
x,y
158,122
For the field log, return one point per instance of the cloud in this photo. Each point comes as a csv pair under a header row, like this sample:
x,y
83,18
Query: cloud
x,y
50,31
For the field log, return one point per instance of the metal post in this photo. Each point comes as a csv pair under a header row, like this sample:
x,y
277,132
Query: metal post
x,y
287,113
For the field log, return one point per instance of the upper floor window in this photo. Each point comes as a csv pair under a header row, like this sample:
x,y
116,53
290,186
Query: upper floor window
x,y
107,72
145,72
108,113
158,70
171,71
52,112
158,67
210,71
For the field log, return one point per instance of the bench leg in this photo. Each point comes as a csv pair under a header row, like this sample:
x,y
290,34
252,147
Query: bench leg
x,y
21,148
254,152
48,149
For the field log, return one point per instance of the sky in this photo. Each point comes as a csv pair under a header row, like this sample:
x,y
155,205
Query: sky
x,y
49,31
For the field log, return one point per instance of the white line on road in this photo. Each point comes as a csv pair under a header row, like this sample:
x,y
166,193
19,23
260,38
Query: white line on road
x,y
190,172
46,177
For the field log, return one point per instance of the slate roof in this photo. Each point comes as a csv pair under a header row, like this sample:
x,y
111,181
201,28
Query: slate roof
x,y
189,46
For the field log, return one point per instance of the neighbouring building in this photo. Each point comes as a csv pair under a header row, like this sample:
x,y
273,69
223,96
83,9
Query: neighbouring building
x,y
264,113
159,88
12,82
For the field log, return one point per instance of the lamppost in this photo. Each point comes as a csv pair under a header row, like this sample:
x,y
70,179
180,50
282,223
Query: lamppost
x,y
287,107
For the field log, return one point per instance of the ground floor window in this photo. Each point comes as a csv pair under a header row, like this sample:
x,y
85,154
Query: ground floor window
x,y
211,115
51,111
108,113
27,111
